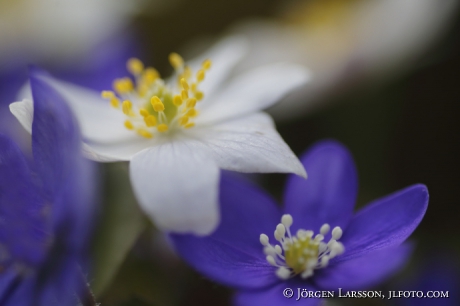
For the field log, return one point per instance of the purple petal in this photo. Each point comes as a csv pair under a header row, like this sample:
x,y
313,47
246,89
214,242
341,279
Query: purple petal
x,y
329,193
8,284
385,222
274,296
23,230
20,293
67,177
60,282
233,255
57,283
365,271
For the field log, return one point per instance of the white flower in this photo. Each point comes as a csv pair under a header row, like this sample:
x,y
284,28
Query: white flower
x,y
177,143
58,30
346,43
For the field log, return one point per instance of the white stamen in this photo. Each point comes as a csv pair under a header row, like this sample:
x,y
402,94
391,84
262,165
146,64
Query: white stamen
x,y
337,233
269,250
319,237
281,230
283,273
287,220
264,239
324,229
307,273
278,250
271,260
301,254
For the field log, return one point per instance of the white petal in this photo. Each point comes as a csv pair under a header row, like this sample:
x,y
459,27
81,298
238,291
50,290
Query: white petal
x,y
248,144
99,122
116,151
177,186
224,56
24,112
255,90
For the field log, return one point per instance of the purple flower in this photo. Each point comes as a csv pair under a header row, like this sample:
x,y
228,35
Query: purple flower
x,y
362,249
46,209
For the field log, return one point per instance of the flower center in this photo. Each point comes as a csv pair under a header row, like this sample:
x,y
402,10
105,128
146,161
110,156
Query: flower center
x,y
150,105
302,253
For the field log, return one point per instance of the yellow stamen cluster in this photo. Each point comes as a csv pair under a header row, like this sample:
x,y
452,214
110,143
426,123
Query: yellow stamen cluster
x,y
150,105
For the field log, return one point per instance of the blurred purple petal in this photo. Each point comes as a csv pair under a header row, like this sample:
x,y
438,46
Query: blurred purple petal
x,y
23,229
329,193
67,176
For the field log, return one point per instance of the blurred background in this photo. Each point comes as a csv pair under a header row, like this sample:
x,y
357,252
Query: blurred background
x,y
385,84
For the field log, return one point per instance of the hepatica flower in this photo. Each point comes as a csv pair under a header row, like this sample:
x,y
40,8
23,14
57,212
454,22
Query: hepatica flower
x,y
178,133
319,243
46,209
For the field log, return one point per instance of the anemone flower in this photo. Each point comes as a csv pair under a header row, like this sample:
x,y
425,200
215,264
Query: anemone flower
x,y
350,250
46,209
178,134
346,44
41,30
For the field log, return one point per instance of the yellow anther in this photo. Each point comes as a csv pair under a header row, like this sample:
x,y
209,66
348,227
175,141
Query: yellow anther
x,y
162,128
123,85
189,125
187,72
126,107
177,100
207,64
119,85
200,75
142,89
194,87
155,100
107,94
184,95
183,120
150,75
129,125
128,84
184,84
143,112
114,102
192,112
158,107
199,95
191,102
144,133
176,60
157,104
135,66
150,121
